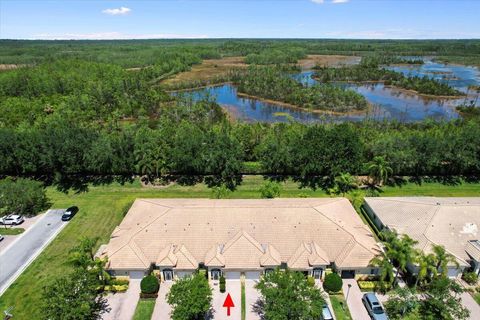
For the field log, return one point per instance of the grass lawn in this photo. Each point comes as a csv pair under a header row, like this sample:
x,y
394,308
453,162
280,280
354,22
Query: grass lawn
x,y
341,313
11,231
244,312
103,208
476,296
144,309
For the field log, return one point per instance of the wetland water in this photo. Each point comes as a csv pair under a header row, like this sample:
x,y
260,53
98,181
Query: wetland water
x,y
388,103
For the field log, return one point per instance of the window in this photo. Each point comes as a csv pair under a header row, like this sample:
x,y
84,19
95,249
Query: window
x,y
216,274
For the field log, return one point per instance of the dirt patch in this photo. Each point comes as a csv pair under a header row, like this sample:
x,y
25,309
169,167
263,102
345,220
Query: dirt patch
x,y
4,67
327,61
208,70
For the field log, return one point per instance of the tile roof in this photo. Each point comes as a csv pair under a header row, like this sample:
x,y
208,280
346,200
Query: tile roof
x,y
450,222
241,234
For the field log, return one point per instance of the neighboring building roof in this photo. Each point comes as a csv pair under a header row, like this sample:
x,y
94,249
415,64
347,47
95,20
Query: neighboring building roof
x,y
241,234
450,222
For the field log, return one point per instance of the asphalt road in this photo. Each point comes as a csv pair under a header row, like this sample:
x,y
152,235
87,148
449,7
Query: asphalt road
x,y
18,256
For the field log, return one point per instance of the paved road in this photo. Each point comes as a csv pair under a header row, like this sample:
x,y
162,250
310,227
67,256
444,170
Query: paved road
x,y
19,254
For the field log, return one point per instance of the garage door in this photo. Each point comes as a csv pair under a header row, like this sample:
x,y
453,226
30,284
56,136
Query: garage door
x,y
252,275
136,274
183,274
231,275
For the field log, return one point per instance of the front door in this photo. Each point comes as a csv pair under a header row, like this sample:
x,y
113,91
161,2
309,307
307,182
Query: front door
x,y
167,275
216,273
317,273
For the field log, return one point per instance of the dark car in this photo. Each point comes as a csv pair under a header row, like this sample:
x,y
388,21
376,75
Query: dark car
x,y
69,213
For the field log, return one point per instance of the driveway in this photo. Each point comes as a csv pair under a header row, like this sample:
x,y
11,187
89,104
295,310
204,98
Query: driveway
x,y
18,255
220,313
469,303
122,305
162,308
354,301
251,297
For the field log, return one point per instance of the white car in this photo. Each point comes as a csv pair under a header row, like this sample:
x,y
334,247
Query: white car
x,y
12,219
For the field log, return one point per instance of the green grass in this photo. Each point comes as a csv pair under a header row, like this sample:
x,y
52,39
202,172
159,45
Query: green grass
x,y
144,309
341,313
103,208
11,231
476,296
244,312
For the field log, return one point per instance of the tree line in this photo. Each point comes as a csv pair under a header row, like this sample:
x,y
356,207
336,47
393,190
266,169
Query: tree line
x,y
369,70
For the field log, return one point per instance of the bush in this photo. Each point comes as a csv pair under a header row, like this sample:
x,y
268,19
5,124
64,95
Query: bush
x,y
22,196
119,282
222,284
149,285
332,283
367,285
311,281
470,277
270,190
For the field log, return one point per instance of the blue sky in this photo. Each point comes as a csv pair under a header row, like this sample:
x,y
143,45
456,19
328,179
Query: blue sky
x,y
89,19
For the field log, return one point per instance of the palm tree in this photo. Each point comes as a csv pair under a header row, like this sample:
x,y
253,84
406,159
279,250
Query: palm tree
x,y
426,266
379,170
443,259
401,252
386,270
345,182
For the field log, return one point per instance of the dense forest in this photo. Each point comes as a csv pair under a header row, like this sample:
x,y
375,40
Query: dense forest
x,y
76,112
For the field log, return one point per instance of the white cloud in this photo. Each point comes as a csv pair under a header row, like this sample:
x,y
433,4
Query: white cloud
x,y
117,11
318,1
113,36
340,1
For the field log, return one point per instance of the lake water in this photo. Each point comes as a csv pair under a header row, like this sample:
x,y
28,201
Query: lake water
x,y
388,103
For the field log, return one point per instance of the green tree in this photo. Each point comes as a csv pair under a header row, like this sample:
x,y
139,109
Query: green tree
x,y
270,190
190,298
287,295
345,182
443,259
401,302
379,170
425,267
22,196
73,297
386,271
400,250
443,301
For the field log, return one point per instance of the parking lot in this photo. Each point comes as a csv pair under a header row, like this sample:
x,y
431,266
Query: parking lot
x,y
17,255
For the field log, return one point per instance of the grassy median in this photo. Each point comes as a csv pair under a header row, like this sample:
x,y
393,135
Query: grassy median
x,y
144,309
102,208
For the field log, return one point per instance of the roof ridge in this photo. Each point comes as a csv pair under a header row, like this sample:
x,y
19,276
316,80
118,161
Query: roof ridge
x,y
241,233
188,255
344,229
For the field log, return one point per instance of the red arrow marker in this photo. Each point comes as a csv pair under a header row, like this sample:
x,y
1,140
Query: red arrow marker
x,y
228,304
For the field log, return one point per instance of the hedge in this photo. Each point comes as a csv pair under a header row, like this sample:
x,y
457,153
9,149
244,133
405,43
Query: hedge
x,y
333,283
149,284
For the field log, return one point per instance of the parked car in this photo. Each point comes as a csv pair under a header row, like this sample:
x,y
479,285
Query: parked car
x,y
69,213
1,237
12,220
374,308
326,313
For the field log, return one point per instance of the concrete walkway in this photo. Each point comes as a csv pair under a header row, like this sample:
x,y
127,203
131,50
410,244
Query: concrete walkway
x,y
251,298
354,301
122,305
20,253
162,308
469,303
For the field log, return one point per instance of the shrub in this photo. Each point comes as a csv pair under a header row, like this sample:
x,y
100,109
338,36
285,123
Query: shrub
x,y
270,190
149,284
120,288
222,284
367,285
311,281
332,283
119,282
470,277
